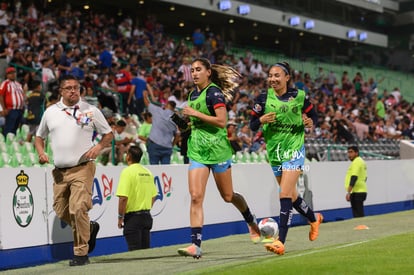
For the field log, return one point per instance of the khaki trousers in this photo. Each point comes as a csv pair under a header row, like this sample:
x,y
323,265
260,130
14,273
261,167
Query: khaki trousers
x,y
72,191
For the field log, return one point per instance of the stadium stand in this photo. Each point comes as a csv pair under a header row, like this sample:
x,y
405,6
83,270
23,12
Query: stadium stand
x,y
125,43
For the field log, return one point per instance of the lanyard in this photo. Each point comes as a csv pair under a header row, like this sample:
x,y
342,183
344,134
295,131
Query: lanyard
x,y
75,108
81,119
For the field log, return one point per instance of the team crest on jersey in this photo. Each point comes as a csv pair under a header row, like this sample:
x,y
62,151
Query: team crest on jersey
x,y
295,109
258,107
283,109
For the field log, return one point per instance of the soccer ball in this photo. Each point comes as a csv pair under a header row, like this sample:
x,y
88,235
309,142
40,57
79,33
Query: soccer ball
x,y
268,228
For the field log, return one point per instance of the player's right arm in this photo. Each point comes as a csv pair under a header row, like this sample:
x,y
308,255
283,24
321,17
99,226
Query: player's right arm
x,y
257,115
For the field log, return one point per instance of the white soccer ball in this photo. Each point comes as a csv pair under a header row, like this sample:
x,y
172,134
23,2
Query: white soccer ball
x,y
268,228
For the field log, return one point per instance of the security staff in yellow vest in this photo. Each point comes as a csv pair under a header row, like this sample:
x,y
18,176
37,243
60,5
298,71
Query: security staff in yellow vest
x,y
137,192
356,182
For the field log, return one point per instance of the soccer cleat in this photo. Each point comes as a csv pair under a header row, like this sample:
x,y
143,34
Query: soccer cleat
x,y
254,231
314,227
192,250
92,239
276,247
268,240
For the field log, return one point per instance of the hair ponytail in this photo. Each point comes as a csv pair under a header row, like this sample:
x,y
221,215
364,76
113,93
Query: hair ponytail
x,y
223,76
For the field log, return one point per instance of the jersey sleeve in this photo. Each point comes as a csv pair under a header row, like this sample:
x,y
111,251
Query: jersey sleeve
x,y
310,111
215,98
257,111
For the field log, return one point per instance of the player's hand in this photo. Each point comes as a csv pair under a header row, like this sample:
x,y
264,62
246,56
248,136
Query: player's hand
x,y
348,196
188,111
308,122
268,118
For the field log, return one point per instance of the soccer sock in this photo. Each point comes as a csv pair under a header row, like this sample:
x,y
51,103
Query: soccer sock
x,y
285,218
247,215
300,205
196,236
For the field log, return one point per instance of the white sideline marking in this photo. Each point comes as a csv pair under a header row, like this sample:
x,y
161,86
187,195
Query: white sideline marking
x,y
324,250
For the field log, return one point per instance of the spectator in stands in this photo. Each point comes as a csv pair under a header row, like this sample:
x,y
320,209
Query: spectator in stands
x,y
356,182
71,124
406,128
138,86
56,30
65,61
185,70
137,193
380,129
358,82
52,99
320,77
340,133
105,59
35,105
163,135
283,111
123,86
256,71
209,148
346,82
12,100
258,142
3,56
91,97
145,128
235,141
48,72
397,94
177,97
332,80
198,39
122,140
361,128
245,136
4,17
378,101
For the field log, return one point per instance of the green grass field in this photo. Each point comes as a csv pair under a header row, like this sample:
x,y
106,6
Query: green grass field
x,y
387,247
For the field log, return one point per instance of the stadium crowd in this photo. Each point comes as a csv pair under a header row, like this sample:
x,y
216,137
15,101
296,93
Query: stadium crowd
x,y
112,56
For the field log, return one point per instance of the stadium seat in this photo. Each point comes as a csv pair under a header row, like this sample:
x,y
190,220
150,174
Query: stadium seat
x,y
10,137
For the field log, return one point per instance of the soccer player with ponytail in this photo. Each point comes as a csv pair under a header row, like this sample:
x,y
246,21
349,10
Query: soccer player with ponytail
x,y
209,147
284,113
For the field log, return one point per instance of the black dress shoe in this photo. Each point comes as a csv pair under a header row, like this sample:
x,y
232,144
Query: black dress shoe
x,y
79,260
92,239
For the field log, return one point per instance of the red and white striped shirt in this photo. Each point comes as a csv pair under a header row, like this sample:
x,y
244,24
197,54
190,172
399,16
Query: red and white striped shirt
x,y
13,94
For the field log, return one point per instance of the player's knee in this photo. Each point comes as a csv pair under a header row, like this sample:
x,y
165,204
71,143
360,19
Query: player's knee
x,y
227,197
196,198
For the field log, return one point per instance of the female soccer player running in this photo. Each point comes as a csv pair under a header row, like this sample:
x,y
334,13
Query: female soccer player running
x,y
209,148
283,112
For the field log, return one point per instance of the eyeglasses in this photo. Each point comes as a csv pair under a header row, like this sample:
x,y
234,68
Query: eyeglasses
x,y
70,88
